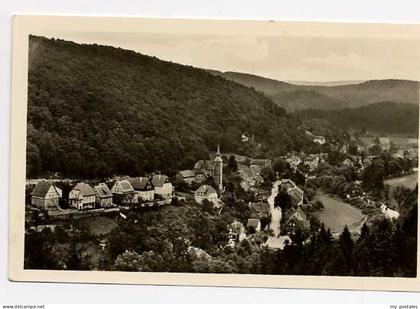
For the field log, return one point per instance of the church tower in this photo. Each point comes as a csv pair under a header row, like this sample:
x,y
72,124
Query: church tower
x,y
218,170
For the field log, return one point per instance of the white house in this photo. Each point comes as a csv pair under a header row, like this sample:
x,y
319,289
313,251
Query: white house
x,y
82,196
206,192
143,187
45,195
237,231
103,195
162,185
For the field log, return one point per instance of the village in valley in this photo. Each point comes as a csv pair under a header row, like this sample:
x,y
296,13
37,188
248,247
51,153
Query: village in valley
x,y
134,163
284,197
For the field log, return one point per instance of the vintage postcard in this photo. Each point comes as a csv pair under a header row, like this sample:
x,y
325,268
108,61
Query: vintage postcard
x,y
217,153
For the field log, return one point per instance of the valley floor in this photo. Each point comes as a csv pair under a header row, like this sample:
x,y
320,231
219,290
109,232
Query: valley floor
x,y
336,214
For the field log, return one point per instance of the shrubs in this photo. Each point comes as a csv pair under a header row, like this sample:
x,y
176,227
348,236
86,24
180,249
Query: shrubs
x,y
317,205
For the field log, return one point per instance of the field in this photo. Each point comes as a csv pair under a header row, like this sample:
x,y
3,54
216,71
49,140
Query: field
x,y
336,215
409,181
99,225
398,141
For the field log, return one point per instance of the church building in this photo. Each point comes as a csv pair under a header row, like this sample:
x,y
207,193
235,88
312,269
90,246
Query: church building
x,y
218,170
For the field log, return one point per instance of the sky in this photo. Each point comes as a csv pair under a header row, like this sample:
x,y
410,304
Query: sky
x,y
285,58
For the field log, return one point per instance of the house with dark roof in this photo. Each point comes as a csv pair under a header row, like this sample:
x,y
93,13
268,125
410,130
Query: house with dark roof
x,y
103,195
143,187
82,196
199,177
206,192
253,225
123,192
295,193
260,193
187,175
45,195
206,167
287,184
296,219
162,186
260,210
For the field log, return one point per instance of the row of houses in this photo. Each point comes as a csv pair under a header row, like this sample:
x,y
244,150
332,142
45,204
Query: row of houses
x,y
295,218
128,190
311,161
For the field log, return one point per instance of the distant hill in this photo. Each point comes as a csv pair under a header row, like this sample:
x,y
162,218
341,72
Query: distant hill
x,y
266,85
301,99
382,117
98,110
295,97
327,83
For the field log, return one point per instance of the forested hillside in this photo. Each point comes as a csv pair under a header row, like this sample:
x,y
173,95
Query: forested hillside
x,y
382,117
301,99
97,110
296,97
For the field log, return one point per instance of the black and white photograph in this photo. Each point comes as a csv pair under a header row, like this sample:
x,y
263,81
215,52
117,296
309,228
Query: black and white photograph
x,y
261,152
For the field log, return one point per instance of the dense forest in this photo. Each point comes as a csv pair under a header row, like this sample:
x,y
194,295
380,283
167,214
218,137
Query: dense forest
x,y
97,111
301,99
382,117
295,97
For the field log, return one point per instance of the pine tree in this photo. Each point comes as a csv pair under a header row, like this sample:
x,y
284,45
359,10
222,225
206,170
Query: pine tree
x,y
346,245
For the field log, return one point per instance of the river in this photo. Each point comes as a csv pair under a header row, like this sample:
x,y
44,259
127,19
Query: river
x,y
275,212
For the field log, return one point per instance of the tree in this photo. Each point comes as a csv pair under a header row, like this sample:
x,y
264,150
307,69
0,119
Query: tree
x,y
334,158
232,165
129,261
299,178
353,149
375,150
373,176
280,166
74,260
283,201
346,245
181,185
394,168
268,175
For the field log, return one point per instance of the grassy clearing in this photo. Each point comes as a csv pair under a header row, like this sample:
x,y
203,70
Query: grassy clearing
x,y
408,181
337,214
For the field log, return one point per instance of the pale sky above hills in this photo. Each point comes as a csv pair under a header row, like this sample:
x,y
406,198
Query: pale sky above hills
x,y
282,58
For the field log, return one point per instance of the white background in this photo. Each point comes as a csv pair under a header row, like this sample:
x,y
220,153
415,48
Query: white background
x,y
322,10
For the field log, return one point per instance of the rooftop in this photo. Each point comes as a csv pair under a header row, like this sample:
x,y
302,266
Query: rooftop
x,y
41,188
84,189
102,190
205,190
